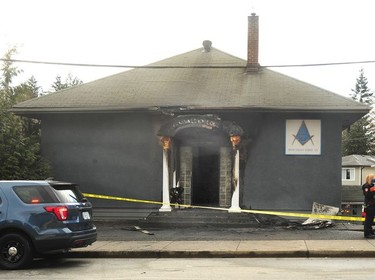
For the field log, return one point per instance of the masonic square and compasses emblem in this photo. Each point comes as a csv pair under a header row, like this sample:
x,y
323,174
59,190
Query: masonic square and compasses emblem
x,y
303,135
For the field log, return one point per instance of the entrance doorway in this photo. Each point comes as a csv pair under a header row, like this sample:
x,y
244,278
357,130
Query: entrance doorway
x,y
200,160
206,176
203,164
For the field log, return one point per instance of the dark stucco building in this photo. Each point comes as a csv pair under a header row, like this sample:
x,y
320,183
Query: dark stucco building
x,y
228,131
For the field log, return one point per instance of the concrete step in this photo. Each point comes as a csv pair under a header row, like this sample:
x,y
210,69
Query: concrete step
x,y
199,217
103,214
184,217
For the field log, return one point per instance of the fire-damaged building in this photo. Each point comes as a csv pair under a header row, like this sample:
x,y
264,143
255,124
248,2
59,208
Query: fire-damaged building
x,y
226,131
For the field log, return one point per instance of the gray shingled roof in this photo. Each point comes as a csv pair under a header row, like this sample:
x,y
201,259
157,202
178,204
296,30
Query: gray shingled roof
x,y
358,160
192,88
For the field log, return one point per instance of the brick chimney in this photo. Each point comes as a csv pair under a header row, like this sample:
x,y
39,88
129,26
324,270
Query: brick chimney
x,y
253,43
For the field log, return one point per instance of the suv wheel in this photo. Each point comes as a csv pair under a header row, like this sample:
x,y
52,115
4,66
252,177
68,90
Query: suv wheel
x,y
15,251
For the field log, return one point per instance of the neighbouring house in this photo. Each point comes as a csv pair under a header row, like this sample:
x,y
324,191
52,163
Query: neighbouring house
x,y
229,132
355,168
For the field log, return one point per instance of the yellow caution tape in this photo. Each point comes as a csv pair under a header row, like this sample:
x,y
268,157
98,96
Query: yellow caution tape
x,y
276,213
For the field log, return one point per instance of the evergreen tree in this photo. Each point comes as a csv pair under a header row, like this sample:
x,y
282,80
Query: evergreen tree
x,y
361,92
70,81
359,138
20,155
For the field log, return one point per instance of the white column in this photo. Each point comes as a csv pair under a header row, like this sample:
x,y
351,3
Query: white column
x,y
166,202
235,207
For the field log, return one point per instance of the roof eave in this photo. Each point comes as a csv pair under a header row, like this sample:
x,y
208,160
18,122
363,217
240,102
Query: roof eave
x,y
34,111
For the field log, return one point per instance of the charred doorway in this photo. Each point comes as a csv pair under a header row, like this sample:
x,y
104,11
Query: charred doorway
x,y
200,161
202,156
205,176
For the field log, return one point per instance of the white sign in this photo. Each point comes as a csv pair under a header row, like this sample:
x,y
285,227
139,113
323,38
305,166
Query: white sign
x,y
303,137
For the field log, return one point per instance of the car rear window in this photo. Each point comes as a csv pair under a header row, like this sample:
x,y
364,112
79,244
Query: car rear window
x,y
36,194
67,196
68,193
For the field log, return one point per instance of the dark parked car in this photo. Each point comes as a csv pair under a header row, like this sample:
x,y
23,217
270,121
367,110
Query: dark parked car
x,y
40,217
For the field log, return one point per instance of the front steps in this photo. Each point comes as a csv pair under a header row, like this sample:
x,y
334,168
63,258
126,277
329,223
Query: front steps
x,y
111,214
185,217
200,217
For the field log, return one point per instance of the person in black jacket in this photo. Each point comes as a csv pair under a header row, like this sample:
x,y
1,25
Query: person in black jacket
x,y
369,192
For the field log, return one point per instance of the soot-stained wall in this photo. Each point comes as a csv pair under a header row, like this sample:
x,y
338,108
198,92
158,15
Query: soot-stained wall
x,y
120,155
274,180
110,154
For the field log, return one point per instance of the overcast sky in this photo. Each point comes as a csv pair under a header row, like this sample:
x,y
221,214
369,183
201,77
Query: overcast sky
x,y
139,32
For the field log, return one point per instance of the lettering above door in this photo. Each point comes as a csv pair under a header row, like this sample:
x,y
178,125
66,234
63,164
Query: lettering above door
x,y
212,122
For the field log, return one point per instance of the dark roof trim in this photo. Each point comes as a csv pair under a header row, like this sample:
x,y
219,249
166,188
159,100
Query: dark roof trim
x,y
176,109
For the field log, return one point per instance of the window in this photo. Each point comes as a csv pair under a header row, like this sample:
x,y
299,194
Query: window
x,y
67,196
348,174
36,194
68,193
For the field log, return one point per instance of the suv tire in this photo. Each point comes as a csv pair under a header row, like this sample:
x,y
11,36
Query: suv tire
x,y
15,251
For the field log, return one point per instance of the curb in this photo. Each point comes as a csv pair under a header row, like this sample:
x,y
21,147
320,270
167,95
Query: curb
x,y
188,254
222,254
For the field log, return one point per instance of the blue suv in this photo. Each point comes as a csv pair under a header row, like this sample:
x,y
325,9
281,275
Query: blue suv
x,y
40,217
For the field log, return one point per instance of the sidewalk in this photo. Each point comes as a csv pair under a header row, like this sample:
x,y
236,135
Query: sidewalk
x,y
230,249
117,241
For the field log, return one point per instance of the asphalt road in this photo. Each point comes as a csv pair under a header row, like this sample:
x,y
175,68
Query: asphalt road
x,y
192,269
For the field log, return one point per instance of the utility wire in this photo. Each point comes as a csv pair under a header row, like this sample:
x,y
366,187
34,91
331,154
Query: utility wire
x,y
323,64
178,66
